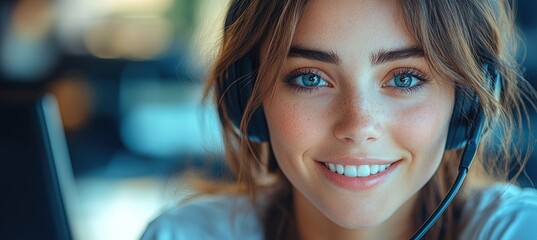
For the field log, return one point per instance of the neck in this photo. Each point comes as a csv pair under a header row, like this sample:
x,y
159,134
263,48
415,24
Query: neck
x,y
312,224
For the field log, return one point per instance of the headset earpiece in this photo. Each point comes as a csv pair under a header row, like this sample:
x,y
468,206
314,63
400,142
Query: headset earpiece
x,y
467,111
237,86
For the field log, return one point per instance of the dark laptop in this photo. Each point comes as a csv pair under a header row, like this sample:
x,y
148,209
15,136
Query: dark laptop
x,y
35,172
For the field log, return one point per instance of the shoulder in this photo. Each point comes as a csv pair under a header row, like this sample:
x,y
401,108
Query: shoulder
x,y
208,217
501,211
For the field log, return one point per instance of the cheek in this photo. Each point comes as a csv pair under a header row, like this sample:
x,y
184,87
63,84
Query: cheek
x,y
284,122
423,125
290,126
294,127
422,130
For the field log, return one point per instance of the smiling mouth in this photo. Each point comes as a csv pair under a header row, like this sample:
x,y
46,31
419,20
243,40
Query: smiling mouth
x,y
357,170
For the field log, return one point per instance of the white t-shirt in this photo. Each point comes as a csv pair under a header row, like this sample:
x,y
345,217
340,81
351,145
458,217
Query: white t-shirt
x,y
502,211
218,217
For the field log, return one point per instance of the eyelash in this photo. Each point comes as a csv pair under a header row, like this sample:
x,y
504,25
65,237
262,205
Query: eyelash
x,y
411,72
289,80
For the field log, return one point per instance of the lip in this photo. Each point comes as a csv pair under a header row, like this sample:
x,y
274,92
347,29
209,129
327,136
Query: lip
x,y
357,161
358,183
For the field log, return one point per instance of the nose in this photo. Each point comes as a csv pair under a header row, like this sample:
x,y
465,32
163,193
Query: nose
x,y
358,119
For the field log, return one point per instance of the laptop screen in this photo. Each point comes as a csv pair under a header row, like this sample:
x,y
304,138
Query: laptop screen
x,y
35,174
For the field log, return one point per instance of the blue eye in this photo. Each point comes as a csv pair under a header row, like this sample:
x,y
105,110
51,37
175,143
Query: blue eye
x,y
404,81
310,80
305,80
407,80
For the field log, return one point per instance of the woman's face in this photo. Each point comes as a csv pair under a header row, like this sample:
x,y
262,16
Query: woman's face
x,y
358,121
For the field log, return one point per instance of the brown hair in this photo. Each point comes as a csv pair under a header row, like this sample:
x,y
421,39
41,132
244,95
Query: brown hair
x,y
458,37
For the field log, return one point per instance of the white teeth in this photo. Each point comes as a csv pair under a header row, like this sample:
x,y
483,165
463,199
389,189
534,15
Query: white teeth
x,y
332,167
356,171
382,168
340,169
350,171
374,169
364,171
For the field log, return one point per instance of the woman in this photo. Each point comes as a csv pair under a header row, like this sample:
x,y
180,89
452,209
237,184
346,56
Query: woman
x,y
341,121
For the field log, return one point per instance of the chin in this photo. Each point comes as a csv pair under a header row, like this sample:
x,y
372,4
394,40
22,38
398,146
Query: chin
x,y
359,219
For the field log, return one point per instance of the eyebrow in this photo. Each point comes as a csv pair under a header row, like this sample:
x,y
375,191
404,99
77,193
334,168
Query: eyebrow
x,y
323,56
380,57
383,56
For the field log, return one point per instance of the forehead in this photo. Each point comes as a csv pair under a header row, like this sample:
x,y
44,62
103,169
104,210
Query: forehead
x,y
340,24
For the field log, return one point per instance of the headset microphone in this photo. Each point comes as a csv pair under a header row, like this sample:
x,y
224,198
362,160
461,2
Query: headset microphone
x,y
466,160
469,152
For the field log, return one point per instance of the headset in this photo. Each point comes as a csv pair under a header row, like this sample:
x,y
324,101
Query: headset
x,y
465,131
465,127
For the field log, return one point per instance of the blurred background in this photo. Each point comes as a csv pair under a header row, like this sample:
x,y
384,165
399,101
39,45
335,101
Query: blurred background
x,y
128,77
